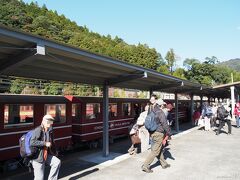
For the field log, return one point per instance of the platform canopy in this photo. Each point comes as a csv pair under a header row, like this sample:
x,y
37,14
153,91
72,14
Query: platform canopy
x,y
30,56
224,90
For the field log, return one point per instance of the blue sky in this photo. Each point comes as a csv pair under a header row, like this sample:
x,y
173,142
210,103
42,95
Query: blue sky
x,y
193,28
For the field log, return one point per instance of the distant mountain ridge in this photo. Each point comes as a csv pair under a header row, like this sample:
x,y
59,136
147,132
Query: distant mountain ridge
x,y
232,63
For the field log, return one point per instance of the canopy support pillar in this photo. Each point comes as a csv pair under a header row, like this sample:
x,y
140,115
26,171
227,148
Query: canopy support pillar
x,y
176,113
192,110
105,120
233,101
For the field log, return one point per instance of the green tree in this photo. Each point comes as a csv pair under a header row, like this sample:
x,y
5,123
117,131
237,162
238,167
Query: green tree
x,y
236,76
171,59
221,75
69,89
17,86
180,73
188,62
199,72
211,60
163,69
53,88
208,72
116,93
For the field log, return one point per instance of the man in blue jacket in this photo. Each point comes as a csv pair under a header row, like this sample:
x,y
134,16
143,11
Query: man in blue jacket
x,y
42,140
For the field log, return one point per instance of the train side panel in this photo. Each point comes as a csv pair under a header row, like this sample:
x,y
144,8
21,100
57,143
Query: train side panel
x,y
28,112
120,121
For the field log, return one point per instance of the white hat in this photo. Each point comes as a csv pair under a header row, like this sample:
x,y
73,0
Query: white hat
x,y
48,117
160,102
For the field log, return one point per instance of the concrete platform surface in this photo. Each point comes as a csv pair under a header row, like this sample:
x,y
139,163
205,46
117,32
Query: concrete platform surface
x,y
193,155
198,155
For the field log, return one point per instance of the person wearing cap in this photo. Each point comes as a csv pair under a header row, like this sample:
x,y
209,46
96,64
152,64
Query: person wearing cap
x,y
42,139
157,137
167,108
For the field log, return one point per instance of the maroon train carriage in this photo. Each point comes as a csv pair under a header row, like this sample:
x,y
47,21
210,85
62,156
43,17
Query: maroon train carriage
x,y
183,111
87,122
77,119
87,117
21,113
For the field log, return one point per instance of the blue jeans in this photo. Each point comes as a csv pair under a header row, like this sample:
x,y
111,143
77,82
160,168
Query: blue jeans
x,y
39,168
238,121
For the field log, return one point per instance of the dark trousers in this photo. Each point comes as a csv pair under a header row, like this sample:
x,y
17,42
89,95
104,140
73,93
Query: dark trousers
x,y
213,121
222,123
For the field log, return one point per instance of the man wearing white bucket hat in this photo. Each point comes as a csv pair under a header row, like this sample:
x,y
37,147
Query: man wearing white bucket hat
x,y
42,139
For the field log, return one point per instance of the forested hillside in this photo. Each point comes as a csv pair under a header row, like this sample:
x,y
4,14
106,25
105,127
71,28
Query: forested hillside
x,y
41,21
232,63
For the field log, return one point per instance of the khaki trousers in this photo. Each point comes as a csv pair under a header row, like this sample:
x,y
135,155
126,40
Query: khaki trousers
x,y
156,150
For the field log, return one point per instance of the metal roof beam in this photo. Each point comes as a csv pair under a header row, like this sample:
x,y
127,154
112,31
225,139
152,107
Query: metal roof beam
x,y
16,59
74,63
166,86
192,90
127,77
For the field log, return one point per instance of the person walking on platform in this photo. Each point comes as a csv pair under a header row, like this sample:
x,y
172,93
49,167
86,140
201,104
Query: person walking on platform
x,y
222,116
196,116
42,139
158,137
139,130
214,116
237,114
206,115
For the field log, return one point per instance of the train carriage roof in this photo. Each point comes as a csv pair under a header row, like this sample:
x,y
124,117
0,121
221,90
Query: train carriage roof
x,y
80,99
26,55
13,98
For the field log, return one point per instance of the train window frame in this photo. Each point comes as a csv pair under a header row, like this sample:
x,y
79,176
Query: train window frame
x,y
21,122
77,114
142,106
129,109
63,116
94,115
113,114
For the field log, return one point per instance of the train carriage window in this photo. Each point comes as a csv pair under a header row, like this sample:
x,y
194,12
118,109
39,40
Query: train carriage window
x,y
92,110
57,111
112,110
76,111
143,107
18,115
126,108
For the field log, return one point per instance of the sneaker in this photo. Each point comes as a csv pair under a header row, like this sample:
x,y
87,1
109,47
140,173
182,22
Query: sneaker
x,y
146,169
166,166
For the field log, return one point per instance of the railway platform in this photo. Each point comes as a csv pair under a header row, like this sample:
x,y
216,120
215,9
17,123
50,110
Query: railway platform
x,y
194,154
